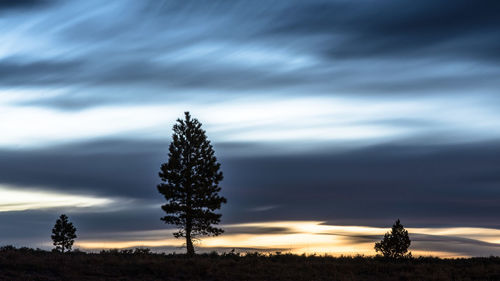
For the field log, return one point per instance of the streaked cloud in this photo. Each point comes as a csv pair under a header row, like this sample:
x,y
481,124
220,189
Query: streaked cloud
x,y
14,199
257,120
322,182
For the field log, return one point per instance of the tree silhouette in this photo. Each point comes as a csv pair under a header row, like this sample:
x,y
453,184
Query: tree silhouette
x,y
191,183
395,243
63,234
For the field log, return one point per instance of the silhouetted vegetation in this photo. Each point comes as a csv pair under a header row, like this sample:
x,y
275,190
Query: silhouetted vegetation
x,y
395,243
191,183
29,264
63,234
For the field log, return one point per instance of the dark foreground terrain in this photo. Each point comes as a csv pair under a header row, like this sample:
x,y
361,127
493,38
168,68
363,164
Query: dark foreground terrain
x,y
29,264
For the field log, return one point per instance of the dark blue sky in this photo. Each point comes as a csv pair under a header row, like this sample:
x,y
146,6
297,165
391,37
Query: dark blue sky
x,y
347,112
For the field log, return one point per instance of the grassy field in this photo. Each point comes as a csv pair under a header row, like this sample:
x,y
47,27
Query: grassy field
x,y
29,264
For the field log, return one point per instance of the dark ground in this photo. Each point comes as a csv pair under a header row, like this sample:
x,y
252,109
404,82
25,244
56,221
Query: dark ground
x,y
28,264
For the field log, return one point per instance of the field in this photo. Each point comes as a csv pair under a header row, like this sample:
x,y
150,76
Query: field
x,y
29,264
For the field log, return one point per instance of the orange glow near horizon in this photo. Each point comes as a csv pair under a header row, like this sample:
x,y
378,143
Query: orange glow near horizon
x,y
298,237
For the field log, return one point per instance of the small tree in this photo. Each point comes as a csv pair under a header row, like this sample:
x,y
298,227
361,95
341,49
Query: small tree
x,y
395,243
63,234
190,183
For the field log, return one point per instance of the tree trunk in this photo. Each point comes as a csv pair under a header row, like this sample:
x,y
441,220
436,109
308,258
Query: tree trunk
x,y
189,244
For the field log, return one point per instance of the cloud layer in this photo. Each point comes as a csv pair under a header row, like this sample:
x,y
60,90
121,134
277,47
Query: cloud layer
x,y
349,113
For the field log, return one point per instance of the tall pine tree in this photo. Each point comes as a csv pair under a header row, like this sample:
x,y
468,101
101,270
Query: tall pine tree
x,y
190,183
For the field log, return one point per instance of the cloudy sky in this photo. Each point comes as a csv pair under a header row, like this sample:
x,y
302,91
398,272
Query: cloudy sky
x,y
331,119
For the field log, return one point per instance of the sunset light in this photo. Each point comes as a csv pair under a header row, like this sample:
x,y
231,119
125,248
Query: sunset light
x,y
307,237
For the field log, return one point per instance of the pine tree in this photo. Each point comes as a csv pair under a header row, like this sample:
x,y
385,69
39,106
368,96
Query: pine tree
x,y
63,234
395,243
190,183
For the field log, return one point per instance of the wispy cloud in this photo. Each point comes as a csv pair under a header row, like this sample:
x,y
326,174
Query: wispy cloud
x,y
261,119
14,199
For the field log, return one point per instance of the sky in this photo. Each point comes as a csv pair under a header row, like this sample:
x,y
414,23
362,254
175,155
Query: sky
x,y
331,120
